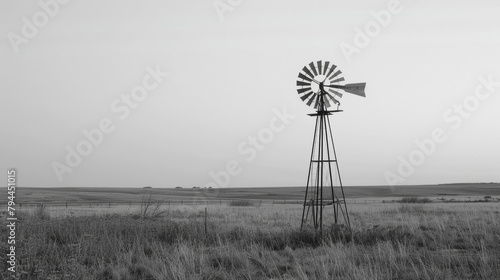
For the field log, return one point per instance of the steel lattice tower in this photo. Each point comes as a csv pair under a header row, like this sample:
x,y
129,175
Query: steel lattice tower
x,y
323,174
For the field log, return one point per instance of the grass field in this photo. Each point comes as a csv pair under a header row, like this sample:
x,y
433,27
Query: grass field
x,y
435,240
126,195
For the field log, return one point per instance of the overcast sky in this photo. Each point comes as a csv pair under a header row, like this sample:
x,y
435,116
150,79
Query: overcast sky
x,y
166,93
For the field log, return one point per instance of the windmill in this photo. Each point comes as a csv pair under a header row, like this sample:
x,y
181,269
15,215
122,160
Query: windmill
x,y
319,85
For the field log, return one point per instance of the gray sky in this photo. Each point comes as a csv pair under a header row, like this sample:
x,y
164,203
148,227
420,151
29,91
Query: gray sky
x,y
68,68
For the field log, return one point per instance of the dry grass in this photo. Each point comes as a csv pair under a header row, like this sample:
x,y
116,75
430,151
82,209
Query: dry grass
x,y
415,200
388,241
242,202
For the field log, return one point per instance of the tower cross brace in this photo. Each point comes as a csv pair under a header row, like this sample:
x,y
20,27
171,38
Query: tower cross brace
x,y
323,171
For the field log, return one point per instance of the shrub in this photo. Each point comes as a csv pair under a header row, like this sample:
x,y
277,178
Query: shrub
x,y
241,203
151,208
415,200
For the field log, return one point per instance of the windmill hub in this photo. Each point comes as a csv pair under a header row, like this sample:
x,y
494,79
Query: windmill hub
x,y
319,85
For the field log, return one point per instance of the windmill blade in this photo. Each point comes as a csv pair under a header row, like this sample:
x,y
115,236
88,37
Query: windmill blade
x,y
313,68
341,79
304,77
326,67
357,89
335,100
301,83
320,66
332,98
316,103
305,96
335,92
307,72
311,100
331,70
302,90
335,75
327,103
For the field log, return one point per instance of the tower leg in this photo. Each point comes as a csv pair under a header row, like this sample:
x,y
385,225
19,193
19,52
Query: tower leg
x,y
306,202
320,175
343,203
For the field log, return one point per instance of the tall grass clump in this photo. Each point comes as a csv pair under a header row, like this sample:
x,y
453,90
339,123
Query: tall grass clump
x,y
41,212
241,203
415,200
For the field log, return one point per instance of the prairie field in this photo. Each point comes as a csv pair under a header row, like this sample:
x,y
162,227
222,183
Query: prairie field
x,y
253,240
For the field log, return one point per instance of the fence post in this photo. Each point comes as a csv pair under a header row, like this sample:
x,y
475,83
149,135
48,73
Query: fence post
x,y
206,222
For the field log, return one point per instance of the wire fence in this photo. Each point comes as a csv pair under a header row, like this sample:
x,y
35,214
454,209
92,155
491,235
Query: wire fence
x,y
250,202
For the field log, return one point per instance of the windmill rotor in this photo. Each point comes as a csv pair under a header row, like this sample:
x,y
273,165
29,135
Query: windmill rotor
x,y
320,84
